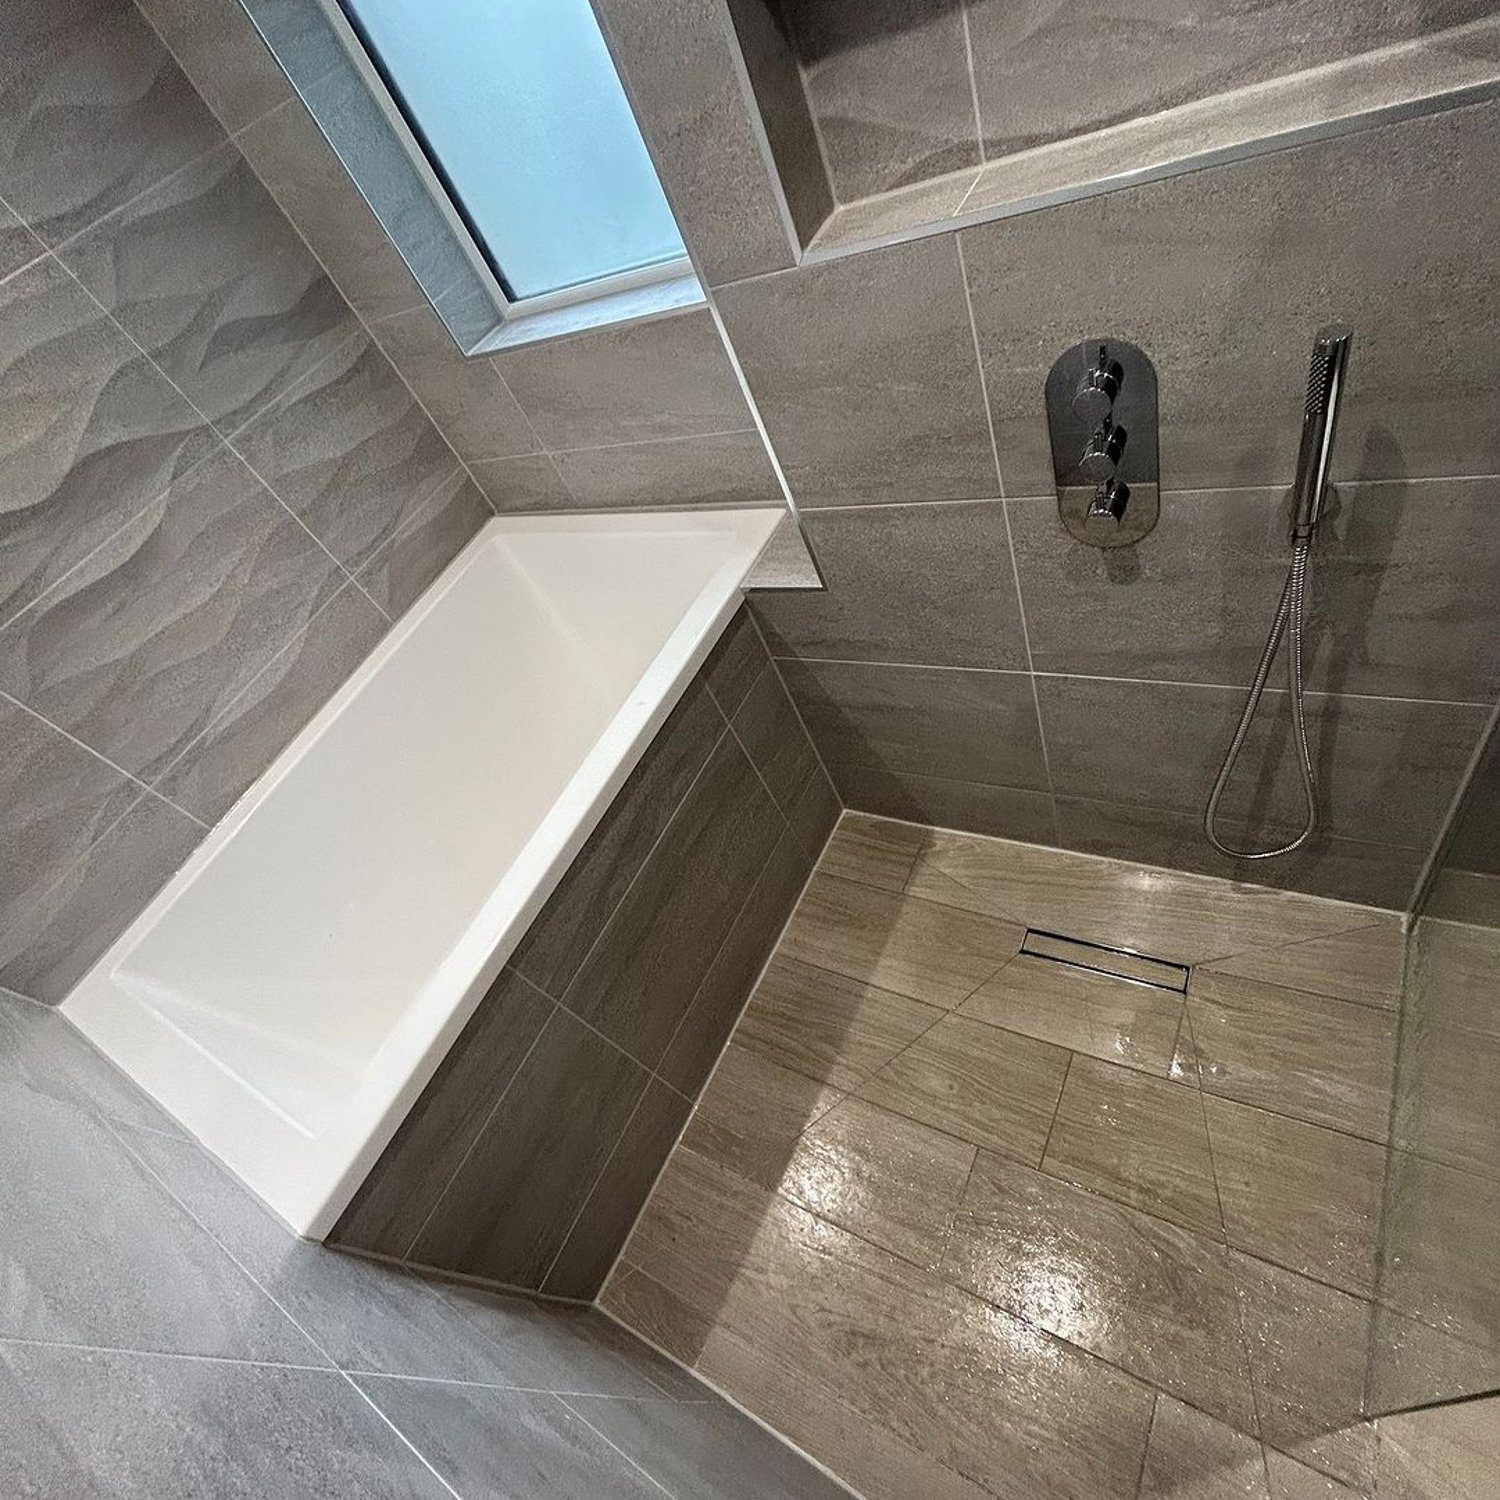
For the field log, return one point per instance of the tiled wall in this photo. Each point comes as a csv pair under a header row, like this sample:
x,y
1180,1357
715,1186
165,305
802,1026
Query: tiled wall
x,y
969,665
218,493
645,414
530,1153
903,90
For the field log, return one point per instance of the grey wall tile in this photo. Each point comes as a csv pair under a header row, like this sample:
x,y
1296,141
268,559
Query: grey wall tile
x,y
776,79
91,1422
205,273
1387,768
1005,811
223,56
132,118
508,1210
1026,57
923,584
726,986
139,649
729,469
466,398
606,1218
734,665
1343,869
889,84
56,798
1401,601
303,173
680,69
18,245
642,974
958,725
397,575
404,1186
211,774
90,432
98,1253
1254,242
668,377
71,924
865,375
350,451
548,1451
767,726
559,939
529,481
816,811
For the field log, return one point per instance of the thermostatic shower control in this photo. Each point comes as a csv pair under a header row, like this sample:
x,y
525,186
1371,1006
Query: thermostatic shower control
x,y
1101,415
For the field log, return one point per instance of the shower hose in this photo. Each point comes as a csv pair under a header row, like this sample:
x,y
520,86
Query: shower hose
x,y
1289,613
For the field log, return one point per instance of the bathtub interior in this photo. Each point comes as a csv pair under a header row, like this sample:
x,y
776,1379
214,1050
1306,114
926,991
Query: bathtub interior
x,y
327,954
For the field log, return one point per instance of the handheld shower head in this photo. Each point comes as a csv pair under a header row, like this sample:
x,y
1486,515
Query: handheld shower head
x,y
1320,414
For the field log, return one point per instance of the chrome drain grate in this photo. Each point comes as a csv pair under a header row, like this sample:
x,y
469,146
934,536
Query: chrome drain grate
x,y
1101,958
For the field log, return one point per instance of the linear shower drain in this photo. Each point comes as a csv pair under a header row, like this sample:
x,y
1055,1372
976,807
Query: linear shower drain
x,y
1101,958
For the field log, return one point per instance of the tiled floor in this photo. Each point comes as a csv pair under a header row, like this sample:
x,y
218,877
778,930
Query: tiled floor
x,y
162,1337
966,1223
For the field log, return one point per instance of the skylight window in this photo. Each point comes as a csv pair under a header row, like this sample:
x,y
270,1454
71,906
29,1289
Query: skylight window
x,y
519,111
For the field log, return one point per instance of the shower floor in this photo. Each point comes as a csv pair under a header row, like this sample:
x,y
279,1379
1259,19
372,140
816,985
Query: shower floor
x,y
966,1222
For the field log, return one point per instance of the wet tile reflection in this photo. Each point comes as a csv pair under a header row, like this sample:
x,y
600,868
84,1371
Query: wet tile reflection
x,y
965,1224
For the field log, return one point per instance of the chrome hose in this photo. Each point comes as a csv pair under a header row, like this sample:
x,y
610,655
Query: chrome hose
x,y
1289,613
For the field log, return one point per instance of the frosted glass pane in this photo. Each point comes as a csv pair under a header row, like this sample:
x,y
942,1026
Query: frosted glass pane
x,y
519,105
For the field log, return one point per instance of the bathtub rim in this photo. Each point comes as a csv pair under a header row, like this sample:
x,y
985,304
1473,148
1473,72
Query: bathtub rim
x,y
184,1077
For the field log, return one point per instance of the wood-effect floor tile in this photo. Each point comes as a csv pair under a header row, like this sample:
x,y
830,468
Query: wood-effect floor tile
x,y
1183,918
1111,1019
1192,1456
873,851
991,1087
1364,964
1326,1061
1445,1453
1308,1350
881,1176
1137,1139
922,949
752,1112
1301,1195
1153,1298
828,1026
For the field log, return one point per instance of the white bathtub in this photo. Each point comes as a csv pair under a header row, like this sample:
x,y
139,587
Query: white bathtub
x,y
290,991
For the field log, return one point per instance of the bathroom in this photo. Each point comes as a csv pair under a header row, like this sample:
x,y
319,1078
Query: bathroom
x,y
933,931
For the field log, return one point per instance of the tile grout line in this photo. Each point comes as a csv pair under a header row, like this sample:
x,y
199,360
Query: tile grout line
x,y
1057,1110
1140,1478
650,1478
1036,696
200,740
1216,687
406,1254
963,11
417,1453
424,512
146,788
588,1197
786,693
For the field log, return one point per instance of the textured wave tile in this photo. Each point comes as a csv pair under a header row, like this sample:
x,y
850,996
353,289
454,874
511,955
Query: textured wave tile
x,y
398,573
350,451
93,111
60,935
247,736
56,798
90,433
139,650
232,329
